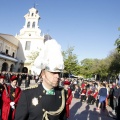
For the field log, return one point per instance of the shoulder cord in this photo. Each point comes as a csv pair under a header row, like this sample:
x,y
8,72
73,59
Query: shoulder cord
x,y
6,90
45,115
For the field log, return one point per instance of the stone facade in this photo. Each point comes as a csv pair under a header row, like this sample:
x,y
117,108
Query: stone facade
x,y
8,52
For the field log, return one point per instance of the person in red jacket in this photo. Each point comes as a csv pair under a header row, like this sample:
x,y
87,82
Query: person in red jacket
x,y
2,87
93,97
10,99
83,94
68,97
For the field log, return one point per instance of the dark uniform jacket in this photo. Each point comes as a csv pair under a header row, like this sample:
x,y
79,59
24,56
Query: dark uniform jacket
x,y
118,110
34,102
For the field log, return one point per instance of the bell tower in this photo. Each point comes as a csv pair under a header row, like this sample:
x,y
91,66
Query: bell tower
x,y
31,27
30,39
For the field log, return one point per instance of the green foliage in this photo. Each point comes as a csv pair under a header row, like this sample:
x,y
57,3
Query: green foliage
x,y
117,43
33,55
114,66
70,61
89,67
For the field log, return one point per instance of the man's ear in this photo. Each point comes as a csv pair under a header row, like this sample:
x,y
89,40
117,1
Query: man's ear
x,y
43,74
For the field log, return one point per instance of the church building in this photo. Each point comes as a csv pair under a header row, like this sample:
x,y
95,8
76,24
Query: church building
x,y
17,53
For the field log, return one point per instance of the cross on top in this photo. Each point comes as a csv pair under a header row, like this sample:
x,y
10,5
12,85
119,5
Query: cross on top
x,y
35,5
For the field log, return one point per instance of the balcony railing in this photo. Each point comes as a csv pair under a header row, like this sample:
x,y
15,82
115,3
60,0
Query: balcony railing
x,y
7,57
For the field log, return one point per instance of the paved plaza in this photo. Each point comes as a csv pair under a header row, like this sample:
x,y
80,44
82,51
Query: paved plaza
x,y
83,111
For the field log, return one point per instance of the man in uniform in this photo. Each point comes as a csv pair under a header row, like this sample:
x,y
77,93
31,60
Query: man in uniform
x,y
118,107
46,101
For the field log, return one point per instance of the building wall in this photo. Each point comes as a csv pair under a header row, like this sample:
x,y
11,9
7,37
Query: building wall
x,y
5,44
9,46
22,54
9,63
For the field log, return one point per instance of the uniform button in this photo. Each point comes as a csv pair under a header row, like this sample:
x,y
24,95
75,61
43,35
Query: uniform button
x,y
59,96
40,96
43,110
43,91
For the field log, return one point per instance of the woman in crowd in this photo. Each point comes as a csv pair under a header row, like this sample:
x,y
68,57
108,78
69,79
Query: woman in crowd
x,y
102,95
27,81
83,94
77,92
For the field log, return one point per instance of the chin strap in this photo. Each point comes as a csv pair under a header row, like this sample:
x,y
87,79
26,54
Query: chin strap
x,y
54,113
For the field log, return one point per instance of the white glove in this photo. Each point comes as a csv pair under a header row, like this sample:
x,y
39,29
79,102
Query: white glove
x,y
12,103
13,107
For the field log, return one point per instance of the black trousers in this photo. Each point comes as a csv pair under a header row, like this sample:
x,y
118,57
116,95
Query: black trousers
x,y
91,99
83,97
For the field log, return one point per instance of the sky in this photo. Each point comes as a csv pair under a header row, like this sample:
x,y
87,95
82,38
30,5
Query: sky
x,y
90,26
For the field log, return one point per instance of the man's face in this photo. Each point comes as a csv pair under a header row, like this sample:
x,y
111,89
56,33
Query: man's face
x,y
50,79
14,83
66,87
113,84
1,80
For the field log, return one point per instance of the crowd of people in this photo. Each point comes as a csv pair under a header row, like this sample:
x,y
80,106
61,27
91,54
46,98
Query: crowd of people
x,y
102,94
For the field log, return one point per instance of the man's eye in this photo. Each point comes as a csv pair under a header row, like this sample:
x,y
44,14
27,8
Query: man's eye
x,y
57,73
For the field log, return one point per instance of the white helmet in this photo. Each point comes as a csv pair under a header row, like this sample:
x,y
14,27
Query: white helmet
x,y
50,58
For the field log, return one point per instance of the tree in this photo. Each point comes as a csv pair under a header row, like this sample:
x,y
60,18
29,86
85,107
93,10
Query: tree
x,y
117,43
33,55
71,62
87,67
114,67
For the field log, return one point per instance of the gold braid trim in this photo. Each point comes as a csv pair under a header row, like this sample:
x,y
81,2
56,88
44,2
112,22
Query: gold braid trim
x,y
54,113
34,86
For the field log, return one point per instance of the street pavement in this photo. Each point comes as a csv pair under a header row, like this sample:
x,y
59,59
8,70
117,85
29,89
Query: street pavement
x,y
83,111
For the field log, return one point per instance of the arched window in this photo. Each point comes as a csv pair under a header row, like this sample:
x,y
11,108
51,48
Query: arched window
x,y
32,14
33,25
28,25
11,68
13,54
7,51
25,70
4,67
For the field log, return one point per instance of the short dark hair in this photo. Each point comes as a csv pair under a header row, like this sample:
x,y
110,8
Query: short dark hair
x,y
104,84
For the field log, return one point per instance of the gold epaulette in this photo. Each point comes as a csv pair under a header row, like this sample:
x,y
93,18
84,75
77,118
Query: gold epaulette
x,y
31,87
